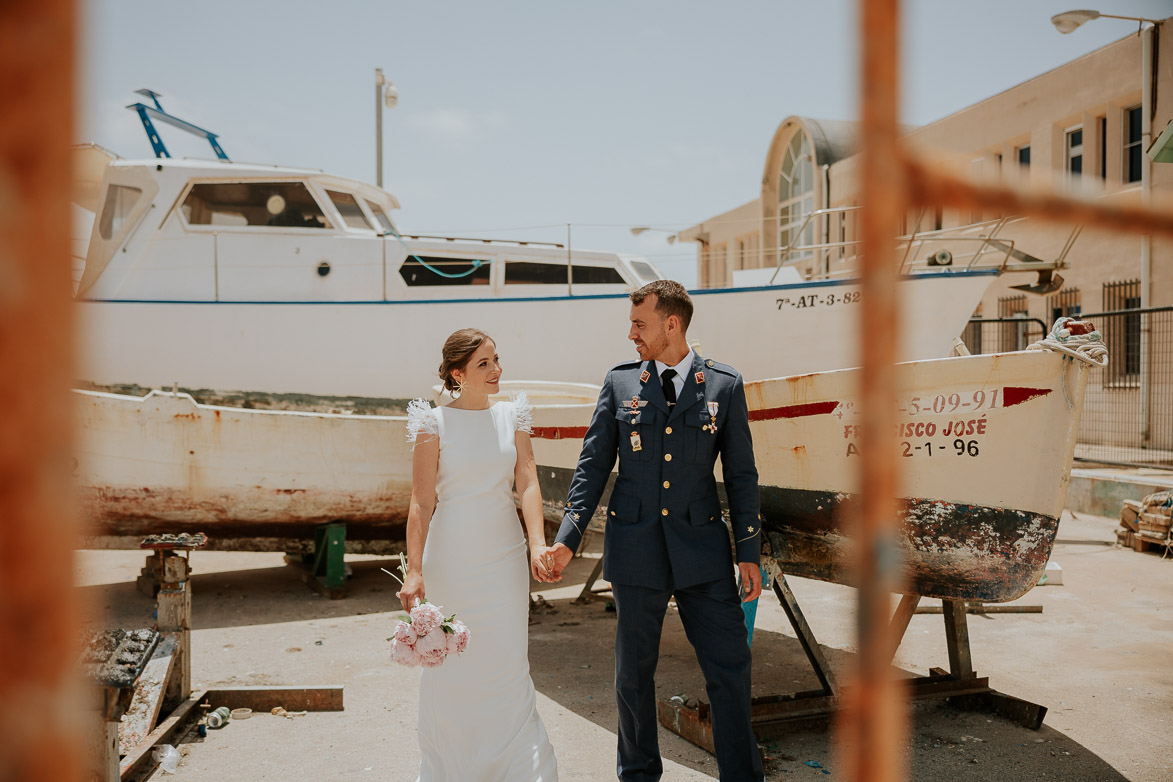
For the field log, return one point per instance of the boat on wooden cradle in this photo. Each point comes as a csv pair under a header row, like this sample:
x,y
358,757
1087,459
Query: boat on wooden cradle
x,y
986,445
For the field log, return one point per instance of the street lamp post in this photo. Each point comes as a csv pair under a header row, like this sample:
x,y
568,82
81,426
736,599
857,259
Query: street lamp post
x,y
1065,23
385,95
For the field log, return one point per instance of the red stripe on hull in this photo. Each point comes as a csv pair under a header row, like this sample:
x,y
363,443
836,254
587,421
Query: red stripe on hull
x,y
559,432
1016,395
793,411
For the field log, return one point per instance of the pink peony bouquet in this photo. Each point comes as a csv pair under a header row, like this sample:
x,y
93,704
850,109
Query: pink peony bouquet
x,y
425,636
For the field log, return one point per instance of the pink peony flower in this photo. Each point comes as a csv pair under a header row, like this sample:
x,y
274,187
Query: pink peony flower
x,y
453,643
433,644
404,654
405,633
432,662
460,633
425,617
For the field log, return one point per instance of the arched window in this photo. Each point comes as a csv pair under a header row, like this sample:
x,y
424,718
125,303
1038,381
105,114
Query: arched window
x,y
796,198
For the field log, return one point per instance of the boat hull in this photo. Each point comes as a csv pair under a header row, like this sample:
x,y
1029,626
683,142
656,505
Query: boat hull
x,y
981,507
387,350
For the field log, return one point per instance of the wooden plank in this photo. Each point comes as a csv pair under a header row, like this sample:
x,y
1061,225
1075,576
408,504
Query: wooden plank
x,y
176,724
327,697
148,695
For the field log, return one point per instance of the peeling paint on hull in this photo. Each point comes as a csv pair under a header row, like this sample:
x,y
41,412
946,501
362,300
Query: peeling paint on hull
x,y
948,550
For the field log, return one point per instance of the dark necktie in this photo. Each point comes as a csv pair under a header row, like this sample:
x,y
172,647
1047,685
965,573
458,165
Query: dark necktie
x,y
668,386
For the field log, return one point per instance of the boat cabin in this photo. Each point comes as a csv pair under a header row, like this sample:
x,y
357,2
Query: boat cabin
x,y
203,230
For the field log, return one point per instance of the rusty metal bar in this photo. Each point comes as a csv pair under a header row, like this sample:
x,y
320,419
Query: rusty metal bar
x,y
39,730
871,729
931,186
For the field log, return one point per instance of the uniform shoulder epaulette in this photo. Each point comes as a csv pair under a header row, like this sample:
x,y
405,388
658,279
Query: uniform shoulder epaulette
x,y
627,365
717,366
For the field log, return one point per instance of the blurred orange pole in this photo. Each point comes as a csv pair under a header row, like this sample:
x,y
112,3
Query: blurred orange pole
x,y
872,725
39,739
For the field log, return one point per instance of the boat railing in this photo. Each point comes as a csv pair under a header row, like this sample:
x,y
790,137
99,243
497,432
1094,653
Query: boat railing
x,y
984,248
511,242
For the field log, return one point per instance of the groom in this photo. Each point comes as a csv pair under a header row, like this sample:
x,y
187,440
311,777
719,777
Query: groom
x,y
668,417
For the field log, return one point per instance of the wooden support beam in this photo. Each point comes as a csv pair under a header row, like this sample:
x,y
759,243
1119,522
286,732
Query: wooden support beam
x,y
900,620
957,638
806,637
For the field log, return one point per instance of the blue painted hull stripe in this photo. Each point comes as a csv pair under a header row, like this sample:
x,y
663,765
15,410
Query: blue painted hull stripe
x,y
588,297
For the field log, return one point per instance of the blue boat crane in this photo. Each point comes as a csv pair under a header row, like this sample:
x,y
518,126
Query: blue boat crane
x,y
145,113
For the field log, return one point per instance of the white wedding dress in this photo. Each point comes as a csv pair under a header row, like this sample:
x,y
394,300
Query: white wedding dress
x,y
478,718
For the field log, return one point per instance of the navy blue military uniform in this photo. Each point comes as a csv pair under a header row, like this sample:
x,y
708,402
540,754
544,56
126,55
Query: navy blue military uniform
x,y
664,536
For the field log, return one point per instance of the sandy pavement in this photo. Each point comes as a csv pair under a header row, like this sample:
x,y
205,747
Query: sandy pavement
x,y
1100,656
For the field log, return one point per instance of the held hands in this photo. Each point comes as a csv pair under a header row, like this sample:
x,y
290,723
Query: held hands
x,y
751,581
541,563
562,555
412,591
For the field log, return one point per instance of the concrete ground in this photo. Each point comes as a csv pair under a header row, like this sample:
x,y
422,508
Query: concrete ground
x,y
1100,656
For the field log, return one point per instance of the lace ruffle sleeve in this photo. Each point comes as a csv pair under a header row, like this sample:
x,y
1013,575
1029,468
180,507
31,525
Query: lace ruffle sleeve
x,y
523,413
421,421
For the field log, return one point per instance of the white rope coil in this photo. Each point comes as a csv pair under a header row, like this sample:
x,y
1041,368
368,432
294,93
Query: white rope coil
x,y
1088,348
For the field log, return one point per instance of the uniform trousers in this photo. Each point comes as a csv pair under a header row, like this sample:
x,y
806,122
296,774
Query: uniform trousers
x,y
715,625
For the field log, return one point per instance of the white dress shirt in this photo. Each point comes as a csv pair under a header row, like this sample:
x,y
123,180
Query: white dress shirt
x,y
682,370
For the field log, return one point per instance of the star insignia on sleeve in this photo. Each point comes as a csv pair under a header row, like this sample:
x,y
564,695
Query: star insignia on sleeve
x,y
750,530
575,516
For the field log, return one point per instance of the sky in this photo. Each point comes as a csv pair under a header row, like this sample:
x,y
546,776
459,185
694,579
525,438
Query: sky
x,y
516,118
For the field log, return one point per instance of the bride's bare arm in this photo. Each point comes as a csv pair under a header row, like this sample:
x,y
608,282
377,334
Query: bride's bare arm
x,y
525,477
425,460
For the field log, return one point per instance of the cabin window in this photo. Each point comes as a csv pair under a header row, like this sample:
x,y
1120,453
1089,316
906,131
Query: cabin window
x,y
796,199
382,218
645,270
276,204
351,212
429,270
531,273
120,200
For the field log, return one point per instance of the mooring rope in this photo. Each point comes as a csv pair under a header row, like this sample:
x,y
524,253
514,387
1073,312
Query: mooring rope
x,y
1088,348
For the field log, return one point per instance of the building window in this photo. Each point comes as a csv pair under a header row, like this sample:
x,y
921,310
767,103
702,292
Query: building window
x,y
1023,154
1132,150
1122,331
1064,304
1103,147
1075,151
796,198
427,270
972,335
1013,336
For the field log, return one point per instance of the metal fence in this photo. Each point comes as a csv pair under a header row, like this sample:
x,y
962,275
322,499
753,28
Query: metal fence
x,y
1128,406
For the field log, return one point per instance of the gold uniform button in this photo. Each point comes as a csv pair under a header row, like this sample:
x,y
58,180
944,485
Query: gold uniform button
x,y
612,513
663,511
667,457
668,430
667,485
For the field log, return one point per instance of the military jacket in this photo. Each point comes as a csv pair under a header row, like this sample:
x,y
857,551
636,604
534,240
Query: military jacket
x,y
663,520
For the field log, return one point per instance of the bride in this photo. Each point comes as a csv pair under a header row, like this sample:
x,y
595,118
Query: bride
x,y
478,719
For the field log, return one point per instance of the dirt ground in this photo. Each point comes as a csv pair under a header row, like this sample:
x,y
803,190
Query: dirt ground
x,y
1100,656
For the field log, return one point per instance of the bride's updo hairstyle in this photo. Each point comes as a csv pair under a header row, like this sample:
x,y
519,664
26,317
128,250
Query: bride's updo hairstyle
x,y
458,349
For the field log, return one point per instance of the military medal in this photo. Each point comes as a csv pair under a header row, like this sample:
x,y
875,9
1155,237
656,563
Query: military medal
x,y
636,444
711,427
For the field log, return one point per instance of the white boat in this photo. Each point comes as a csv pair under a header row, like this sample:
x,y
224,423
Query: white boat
x,y
986,445
286,286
